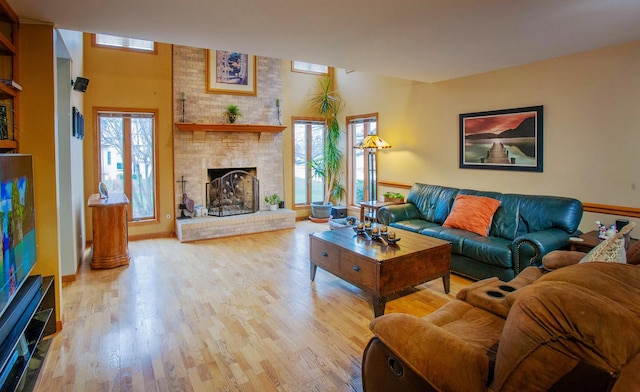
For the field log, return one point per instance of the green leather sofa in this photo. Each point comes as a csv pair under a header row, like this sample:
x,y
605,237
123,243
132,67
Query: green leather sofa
x,y
524,228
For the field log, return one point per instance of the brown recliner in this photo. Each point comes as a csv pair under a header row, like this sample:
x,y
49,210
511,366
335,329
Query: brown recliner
x,y
575,328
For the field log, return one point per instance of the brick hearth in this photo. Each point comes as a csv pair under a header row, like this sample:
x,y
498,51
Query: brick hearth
x,y
200,228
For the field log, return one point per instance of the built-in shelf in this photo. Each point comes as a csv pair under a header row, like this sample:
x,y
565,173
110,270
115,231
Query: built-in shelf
x,y
9,23
229,127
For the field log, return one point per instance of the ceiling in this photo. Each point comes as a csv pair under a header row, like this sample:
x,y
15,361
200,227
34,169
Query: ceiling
x,y
423,40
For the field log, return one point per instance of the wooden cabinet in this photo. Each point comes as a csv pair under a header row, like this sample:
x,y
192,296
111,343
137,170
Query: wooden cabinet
x,y
9,87
110,238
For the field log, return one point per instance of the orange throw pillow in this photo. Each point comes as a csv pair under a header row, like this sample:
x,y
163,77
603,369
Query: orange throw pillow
x,y
472,213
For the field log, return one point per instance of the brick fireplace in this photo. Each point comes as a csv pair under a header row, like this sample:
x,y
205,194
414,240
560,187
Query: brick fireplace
x,y
196,151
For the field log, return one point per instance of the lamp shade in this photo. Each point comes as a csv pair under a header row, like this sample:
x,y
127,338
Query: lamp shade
x,y
372,141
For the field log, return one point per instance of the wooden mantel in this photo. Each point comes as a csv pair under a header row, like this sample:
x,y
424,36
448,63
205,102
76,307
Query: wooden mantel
x,y
229,127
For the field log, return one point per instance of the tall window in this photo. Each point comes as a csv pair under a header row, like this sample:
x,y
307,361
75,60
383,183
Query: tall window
x,y
358,127
128,160
114,41
308,139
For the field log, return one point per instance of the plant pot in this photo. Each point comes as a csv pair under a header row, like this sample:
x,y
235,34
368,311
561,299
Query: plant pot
x,y
320,210
231,117
273,207
394,199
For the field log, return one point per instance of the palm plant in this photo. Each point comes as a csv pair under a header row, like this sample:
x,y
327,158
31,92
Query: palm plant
x,y
328,104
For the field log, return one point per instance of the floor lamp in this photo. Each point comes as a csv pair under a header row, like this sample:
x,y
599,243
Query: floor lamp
x,y
372,144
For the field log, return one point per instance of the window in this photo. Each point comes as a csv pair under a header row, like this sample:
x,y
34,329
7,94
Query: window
x,y
304,67
308,139
113,41
361,166
128,139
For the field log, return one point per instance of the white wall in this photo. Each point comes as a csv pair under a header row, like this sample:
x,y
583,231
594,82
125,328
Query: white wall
x,y
69,153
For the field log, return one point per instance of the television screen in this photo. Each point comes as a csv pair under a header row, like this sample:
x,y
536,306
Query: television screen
x,y
17,216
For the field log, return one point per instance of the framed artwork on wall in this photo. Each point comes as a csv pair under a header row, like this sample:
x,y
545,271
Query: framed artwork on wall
x,y
230,73
77,127
509,139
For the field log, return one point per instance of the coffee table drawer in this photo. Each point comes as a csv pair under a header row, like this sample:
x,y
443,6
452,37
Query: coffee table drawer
x,y
325,255
358,271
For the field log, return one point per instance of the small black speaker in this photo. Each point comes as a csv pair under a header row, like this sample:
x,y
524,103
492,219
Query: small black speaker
x,y
81,84
620,223
339,212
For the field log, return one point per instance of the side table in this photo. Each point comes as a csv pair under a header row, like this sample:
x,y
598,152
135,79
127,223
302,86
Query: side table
x,y
110,235
590,240
373,206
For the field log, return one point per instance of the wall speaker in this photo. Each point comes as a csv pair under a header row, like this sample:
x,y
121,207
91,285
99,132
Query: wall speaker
x,y
81,84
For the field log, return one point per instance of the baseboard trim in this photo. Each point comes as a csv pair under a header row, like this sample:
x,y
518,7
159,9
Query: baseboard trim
x,y
150,236
68,278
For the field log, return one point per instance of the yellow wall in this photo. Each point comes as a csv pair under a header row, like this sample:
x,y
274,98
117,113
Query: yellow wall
x,y
591,133
37,137
127,79
297,88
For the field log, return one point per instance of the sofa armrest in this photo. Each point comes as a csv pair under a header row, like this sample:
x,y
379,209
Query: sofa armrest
x,y
397,212
422,346
528,249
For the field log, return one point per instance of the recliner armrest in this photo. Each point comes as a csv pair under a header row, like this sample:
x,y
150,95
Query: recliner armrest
x,y
440,357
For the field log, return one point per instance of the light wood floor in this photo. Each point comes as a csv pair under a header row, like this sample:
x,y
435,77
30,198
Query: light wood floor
x,y
229,314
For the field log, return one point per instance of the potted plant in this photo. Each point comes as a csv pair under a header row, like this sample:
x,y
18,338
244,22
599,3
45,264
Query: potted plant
x,y
393,197
328,165
273,201
232,113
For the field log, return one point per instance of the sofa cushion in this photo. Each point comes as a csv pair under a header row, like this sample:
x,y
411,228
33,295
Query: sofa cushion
x,y
433,201
489,250
537,213
415,225
472,213
455,236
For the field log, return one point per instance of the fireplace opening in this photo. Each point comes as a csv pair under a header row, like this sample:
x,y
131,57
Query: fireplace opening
x,y
232,191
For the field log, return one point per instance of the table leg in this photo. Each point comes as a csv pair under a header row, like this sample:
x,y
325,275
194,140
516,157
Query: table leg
x,y
312,270
362,213
379,304
446,280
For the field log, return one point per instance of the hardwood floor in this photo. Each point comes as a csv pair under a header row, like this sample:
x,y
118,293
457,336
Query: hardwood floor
x,y
228,314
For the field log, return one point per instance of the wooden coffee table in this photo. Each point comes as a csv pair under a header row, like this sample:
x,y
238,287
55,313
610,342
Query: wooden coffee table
x,y
378,268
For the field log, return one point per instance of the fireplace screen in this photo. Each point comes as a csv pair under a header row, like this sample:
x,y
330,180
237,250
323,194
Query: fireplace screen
x,y
233,193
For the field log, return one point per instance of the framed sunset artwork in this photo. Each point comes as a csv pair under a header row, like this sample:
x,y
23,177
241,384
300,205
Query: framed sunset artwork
x,y
509,139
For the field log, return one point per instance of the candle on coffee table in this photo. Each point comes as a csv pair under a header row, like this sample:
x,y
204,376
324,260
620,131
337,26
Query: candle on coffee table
x,y
374,230
383,229
367,224
392,235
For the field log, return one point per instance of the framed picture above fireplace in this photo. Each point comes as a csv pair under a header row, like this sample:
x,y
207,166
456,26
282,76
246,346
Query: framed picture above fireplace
x,y
230,73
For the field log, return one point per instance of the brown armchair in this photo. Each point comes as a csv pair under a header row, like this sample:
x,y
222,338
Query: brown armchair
x,y
575,328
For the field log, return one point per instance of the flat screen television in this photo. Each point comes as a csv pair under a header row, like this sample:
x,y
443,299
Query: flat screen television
x,y
17,216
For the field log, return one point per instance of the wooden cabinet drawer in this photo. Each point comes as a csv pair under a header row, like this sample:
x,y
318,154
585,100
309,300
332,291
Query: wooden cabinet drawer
x,y
358,271
325,255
